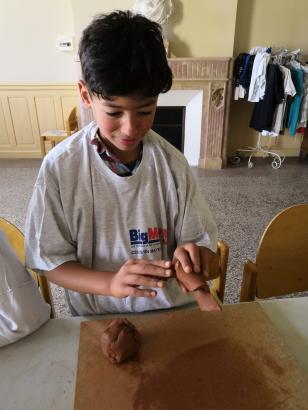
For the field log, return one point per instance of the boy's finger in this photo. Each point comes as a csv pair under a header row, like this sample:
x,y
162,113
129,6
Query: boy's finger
x,y
194,253
162,263
183,257
137,292
151,270
147,281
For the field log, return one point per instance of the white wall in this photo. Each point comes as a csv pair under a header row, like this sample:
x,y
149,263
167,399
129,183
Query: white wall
x,y
29,30
28,41
197,28
85,10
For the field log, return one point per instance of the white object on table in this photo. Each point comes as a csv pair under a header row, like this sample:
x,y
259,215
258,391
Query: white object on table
x,y
39,371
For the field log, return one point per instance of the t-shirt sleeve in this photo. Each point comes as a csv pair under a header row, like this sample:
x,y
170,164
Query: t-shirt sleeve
x,y
48,242
22,308
195,222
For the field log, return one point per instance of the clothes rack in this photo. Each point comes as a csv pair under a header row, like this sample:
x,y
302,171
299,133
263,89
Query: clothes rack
x,y
266,151
281,57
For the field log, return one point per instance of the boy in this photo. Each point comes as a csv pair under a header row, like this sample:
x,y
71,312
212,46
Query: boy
x,y
115,205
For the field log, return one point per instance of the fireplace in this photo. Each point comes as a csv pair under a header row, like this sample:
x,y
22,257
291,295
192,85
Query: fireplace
x,y
169,122
204,85
191,100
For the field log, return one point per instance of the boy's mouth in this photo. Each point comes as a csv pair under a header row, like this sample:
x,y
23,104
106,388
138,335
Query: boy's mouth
x,y
128,141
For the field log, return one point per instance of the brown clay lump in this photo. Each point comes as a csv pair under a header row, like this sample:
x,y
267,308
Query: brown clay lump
x,y
120,340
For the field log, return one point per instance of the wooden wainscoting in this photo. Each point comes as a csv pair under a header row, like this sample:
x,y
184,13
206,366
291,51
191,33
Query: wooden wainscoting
x,y
28,110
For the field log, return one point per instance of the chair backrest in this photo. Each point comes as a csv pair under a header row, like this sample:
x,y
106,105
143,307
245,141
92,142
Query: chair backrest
x,y
71,124
16,240
282,258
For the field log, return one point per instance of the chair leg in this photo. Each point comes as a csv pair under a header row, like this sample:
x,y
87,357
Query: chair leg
x,y
249,282
46,292
43,148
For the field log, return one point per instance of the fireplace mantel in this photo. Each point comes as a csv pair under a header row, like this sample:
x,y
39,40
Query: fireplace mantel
x,y
212,76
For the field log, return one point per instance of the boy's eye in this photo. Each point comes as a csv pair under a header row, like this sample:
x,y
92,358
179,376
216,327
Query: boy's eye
x,y
144,113
114,114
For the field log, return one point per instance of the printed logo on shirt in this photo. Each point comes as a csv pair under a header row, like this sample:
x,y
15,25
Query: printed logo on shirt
x,y
148,241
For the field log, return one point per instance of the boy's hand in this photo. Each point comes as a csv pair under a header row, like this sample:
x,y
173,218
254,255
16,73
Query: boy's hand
x,y
140,272
194,258
189,280
188,255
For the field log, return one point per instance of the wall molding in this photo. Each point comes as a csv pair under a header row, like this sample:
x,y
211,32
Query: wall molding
x,y
27,110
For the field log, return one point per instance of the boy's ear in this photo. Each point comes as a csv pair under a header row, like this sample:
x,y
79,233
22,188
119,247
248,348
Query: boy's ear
x,y
84,94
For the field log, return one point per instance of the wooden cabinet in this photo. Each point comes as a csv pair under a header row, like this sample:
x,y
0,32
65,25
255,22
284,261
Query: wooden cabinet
x,y
28,110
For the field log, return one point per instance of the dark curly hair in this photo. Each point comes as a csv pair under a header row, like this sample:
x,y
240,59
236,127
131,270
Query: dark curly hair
x,y
123,54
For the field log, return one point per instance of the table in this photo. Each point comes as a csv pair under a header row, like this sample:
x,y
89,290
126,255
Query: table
x,y
39,371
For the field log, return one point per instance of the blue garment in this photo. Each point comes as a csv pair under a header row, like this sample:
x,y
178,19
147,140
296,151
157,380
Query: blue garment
x,y
298,80
244,72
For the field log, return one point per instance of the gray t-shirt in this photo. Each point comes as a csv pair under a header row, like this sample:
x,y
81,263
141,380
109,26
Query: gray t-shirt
x,y
82,211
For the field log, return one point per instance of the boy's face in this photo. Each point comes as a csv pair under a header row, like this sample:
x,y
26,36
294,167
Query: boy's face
x,y
122,121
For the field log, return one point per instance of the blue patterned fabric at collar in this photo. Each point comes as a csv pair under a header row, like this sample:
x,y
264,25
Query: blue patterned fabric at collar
x,y
112,161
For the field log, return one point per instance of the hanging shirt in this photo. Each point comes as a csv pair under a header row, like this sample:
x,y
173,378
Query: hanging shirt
x,y
298,80
246,76
304,106
240,65
258,77
289,89
262,116
258,49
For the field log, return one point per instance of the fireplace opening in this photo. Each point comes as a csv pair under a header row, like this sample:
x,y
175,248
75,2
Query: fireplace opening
x,y
169,123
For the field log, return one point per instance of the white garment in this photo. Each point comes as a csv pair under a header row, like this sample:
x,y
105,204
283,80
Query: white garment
x,y
22,308
239,92
258,49
258,77
82,211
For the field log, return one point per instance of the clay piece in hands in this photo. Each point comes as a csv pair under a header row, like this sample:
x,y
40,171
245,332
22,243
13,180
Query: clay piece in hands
x,y
120,341
195,282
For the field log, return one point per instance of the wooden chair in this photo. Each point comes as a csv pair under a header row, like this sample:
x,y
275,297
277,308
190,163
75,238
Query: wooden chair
x,y
304,145
218,284
16,239
71,126
281,265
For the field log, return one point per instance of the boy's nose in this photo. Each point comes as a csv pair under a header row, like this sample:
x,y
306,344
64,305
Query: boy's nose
x,y
130,126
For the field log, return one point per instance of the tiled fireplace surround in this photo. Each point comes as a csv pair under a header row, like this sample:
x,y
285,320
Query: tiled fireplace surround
x,y
212,77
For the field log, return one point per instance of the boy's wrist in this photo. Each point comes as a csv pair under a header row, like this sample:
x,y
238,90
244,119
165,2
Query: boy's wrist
x,y
109,276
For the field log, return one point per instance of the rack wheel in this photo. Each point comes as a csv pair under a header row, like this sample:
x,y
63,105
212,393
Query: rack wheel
x,y
235,159
250,164
276,163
